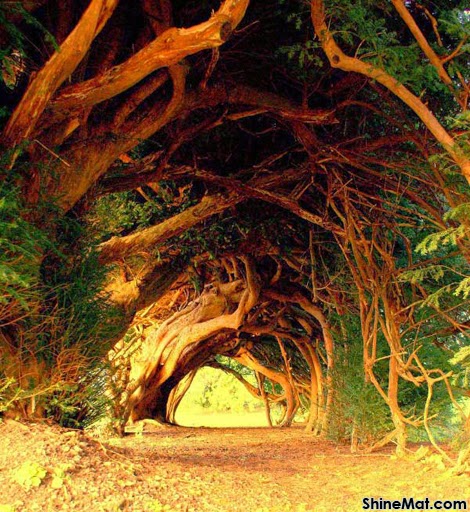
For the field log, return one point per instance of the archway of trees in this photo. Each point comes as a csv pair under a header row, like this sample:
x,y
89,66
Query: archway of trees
x,y
286,185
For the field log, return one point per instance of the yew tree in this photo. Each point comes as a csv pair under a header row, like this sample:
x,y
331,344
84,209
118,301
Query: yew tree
x,y
240,179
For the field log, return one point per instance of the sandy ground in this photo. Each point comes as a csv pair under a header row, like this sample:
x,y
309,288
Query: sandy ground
x,y
45,468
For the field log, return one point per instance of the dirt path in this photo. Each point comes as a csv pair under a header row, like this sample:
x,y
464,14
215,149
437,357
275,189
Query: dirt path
x,y
184,469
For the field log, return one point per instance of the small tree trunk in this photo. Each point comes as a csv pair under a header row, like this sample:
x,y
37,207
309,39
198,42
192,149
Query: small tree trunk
x,y
397,417
317,401
260,379
313,413
178,394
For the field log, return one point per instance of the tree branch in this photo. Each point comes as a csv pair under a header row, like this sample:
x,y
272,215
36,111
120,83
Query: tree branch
x,y
338,59
142,127
166,50
425,46
265,195
120,247
59,67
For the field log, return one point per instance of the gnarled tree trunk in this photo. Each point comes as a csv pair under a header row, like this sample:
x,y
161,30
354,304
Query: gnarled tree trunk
x,y
153,368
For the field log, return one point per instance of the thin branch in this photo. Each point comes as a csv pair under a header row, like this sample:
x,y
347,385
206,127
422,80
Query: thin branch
x,y
338,59
425,46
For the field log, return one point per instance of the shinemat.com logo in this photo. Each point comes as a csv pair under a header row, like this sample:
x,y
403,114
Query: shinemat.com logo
x,y
413,504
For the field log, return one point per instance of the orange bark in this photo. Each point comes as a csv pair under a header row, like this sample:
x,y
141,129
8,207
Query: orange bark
x,y
121,247
59,67
166,50
402,10
163,350
338,59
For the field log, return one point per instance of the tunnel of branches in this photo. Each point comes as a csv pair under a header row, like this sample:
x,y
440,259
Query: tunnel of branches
x,y
254,185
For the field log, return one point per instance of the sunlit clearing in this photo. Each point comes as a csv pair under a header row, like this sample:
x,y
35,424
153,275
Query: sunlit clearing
x,y
216,399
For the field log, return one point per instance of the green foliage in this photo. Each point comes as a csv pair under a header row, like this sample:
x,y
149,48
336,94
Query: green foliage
x,y
228,233
456,23
436,298
404,63
97,397
462,122
119,213
18,44
57,324
29,474
61,403
374,32
301,56
16,36
364,22
354,399
213,240
463,288
8,392
235,365
459,213
432,273
436,241
461,362
451,274
116,214
85,313
435,272
462,357
21,244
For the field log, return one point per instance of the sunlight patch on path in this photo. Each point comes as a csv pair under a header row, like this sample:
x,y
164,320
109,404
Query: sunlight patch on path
x,y
197,418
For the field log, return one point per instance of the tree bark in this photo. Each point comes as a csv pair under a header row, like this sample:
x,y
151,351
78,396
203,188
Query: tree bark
x,y
244,357
59,67
166,50
338,59
121,247
218,309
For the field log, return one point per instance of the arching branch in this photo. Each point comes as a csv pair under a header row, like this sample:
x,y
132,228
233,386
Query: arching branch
x,y
244,357
338,59
120,247
211,314
59,67
166,50
253,390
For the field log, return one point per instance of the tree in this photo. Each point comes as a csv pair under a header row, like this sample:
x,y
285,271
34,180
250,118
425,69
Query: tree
x,y
236,185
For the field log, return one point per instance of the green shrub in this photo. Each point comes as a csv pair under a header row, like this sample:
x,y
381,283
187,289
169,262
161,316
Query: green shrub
x,y
55,324
358,411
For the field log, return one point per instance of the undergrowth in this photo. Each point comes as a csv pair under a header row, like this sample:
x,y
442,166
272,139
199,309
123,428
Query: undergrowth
x,y
55,325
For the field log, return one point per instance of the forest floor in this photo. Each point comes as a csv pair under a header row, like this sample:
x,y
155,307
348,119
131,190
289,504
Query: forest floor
x,y
46,468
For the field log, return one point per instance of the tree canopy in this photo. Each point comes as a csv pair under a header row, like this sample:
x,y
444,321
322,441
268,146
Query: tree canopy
x,y
281,183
